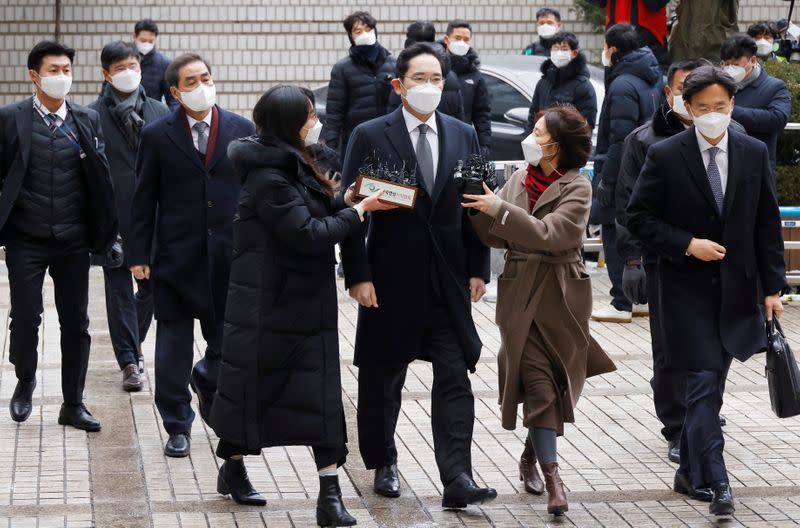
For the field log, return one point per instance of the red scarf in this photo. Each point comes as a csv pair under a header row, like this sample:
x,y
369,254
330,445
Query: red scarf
x,y
536,182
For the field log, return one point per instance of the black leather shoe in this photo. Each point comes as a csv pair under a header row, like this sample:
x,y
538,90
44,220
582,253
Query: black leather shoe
x,y
722,502
79,417
203,402
674,451
178,446
463,491
233,480
21,405
330,508
387,482
684,487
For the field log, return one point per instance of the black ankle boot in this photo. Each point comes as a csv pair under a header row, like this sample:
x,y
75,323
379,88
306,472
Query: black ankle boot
x,y
233,480
330,508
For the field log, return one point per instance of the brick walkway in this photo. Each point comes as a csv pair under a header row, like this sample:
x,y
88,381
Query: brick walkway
x,y
613,459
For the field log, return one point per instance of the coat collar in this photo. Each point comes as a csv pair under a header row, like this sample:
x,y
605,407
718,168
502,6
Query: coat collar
x,y
178,132
694,160
553,191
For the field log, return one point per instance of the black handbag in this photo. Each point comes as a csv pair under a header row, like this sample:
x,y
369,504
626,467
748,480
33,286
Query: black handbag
x,y
783,376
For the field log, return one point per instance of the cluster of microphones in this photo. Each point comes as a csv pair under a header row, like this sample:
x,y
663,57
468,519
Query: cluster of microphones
x,y
381,170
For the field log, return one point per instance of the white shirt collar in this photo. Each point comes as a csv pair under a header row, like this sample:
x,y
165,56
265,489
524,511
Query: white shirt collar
x,y
61,112
412,122
206,119
704,145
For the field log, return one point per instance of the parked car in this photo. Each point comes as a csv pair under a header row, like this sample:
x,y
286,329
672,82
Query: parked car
x,y
511,80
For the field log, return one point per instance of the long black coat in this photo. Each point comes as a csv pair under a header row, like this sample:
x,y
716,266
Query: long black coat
x,y
16,122
279,383
121,156
358,91
567,85
710,309
188,206
475,95
412,252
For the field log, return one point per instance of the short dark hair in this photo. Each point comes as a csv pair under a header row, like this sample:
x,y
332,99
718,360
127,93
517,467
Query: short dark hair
x,y
738,46
571,131
420,31
623,37
146,24
117,51
703,77
415,50
46,48
359,16
687,65
565,36
549,11
172,75
458,23
762,28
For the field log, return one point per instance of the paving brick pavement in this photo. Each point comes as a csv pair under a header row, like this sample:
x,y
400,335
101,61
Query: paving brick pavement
x,y
613,458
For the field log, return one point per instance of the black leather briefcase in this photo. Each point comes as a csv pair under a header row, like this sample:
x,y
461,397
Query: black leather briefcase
x,y
783,376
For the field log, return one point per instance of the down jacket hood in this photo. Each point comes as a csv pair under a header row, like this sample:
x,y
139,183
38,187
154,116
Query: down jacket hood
x,y
640,62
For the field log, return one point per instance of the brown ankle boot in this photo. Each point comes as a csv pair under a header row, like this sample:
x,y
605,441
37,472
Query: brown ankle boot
x,y
528,472
556,495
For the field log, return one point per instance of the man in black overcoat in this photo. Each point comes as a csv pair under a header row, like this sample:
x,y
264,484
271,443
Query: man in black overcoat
x,y
182,213
705,202
414,279
56,205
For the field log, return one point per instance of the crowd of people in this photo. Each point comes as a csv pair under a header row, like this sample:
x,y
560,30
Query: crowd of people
x,y
197,213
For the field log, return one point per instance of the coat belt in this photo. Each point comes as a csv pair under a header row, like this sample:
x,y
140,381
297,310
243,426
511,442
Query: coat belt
x,y
547,258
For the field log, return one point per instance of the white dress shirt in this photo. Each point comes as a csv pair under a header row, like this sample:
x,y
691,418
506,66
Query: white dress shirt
x,y
61,112
721,157
193,121
433,136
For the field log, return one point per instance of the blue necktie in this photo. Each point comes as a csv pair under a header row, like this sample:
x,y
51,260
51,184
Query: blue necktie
x,y
714,178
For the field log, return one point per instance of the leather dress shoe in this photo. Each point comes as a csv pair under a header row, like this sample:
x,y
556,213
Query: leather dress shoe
x,y
178,446
21,405
387,482
79,417
684,487
203,402
463,491
528,473
233,480
722,503
674,451
131,378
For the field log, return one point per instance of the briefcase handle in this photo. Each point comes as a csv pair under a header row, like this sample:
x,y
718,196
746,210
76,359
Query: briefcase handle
x,y
774,327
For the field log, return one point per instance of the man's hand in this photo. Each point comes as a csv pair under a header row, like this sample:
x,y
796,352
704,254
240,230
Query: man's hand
x,y
706,250
634,281
141,272
773,306
605,194
477,288
364,293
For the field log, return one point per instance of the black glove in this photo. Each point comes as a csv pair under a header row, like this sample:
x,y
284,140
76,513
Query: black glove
x,y
605,194
634,281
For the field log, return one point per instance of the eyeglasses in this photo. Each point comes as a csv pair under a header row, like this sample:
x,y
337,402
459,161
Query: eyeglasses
x,y
422,79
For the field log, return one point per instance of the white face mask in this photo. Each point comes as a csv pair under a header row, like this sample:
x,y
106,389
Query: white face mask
x,y
56,86
367,38
201,98
679,108
532,151
424,98
713,124
546,31
126,81
560,57
605,58
736,72
312,136
145,47
764,47
458,47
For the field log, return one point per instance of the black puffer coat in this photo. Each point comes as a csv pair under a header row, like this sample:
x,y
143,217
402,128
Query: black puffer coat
x,y
475,95
358,91
279,383
567,85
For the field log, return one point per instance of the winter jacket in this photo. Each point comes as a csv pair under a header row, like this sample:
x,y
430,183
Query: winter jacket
x,y
475,95
540,48
701,29
567,85
358,91
154,66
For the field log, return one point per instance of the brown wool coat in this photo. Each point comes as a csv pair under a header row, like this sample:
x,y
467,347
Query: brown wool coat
x,y
544,283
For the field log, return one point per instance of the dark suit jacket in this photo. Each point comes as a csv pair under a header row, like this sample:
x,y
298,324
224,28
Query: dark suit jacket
x,y
710,309
16,121
189,207
414,255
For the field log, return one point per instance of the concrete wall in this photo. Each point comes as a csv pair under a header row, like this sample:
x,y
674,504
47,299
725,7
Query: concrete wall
x,y
253,44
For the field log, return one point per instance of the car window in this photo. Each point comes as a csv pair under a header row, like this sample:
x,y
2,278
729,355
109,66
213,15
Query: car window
x,y
504,97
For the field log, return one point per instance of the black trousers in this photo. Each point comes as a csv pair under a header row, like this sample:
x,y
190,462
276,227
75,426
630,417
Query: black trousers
x,y
173,366
27,263
452,403
615,264
702,442
129,314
